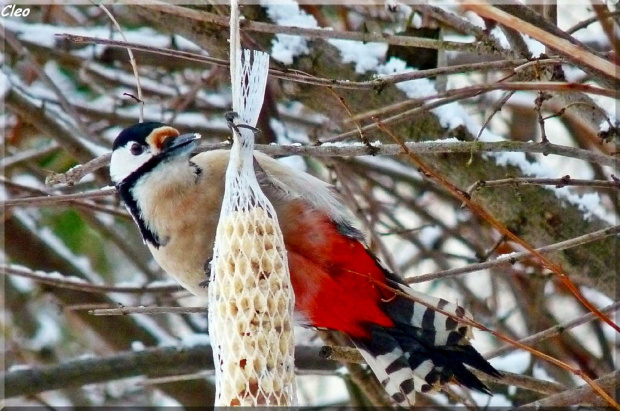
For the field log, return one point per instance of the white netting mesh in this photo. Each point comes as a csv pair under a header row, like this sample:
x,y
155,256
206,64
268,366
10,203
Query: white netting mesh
x,y
250,295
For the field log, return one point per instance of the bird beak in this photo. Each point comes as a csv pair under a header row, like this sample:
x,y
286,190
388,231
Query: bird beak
x,y
185,142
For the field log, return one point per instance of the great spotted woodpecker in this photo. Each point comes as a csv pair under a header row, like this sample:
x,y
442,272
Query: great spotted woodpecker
x,y
175,199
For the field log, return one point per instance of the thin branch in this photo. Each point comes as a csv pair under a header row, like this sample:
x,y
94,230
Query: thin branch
x,y
457,22
75,283
553,331
45,198
78,172
585,23
132,60
581,395
59,198
497,107
514,257
147,310
557,182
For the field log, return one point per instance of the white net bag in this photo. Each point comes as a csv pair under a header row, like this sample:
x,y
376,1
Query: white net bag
x,y
250,294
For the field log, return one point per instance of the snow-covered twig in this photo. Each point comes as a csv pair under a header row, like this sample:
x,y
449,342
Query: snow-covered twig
x,y
350,150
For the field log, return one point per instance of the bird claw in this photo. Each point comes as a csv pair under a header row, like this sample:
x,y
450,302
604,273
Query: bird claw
x,y
230,117
207,268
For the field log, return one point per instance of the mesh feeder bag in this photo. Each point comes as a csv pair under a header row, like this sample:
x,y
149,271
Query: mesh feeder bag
x,y
250,294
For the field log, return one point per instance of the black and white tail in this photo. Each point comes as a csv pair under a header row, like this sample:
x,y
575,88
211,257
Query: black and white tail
x,y
424,350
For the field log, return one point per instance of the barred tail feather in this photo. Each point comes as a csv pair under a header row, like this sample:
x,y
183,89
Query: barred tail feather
x,y
424,350
389,363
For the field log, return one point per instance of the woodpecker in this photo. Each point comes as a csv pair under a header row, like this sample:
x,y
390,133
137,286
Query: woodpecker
x,y
175,199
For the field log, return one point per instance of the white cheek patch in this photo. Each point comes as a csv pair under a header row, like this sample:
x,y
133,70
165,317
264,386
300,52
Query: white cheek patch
x,y
123,163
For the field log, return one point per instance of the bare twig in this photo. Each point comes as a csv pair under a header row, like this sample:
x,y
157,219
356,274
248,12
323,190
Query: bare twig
x,y
46,198
75,283
147,310
538,102
59,198
581,395
77,173
514,257
557,182
132,60
450,96
553,331
497,107
585,23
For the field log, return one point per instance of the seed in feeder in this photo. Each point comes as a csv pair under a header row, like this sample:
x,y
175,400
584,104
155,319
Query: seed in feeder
x,y
284,343
260,303
248,245
271,305
268,243
259,364
233,310
229,227
277,384
238,285
267,263
230,264
266,383
240,385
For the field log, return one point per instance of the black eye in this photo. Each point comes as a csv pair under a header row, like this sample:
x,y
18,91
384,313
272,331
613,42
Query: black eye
x,y
136,149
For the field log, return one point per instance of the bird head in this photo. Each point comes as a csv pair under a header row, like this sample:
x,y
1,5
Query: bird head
x,y
143,147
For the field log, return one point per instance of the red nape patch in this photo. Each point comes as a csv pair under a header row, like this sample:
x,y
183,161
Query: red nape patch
x,y
334,277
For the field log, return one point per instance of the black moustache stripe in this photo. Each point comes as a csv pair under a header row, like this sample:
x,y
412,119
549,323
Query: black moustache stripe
x,y
125,187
